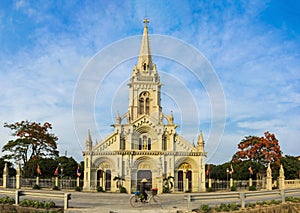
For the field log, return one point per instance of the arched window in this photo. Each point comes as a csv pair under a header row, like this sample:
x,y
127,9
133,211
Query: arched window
x,y
147,106
144,142
144,103
144,66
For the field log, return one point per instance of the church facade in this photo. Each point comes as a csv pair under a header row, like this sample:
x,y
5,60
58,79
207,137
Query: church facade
x,y
144,143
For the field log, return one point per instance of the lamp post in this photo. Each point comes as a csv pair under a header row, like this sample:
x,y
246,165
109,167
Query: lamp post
x,y
61,175
227,171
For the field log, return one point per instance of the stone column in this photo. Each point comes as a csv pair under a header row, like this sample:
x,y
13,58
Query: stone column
x,y
37,182
186,182
77,182
56,180
281,178
18,177
231,183
209,183
250,182
269,178
5,176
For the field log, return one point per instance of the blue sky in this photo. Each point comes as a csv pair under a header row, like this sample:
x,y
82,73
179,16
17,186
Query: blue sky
x,y
252,46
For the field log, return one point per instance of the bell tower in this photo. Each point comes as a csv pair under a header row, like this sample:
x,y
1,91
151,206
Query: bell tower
x,y
145,86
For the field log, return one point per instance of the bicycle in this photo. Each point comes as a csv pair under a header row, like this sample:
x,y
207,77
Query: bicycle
x,y
137,199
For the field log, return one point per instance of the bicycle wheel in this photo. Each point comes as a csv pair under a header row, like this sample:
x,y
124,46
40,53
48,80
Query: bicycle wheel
x,y
135,201
155,201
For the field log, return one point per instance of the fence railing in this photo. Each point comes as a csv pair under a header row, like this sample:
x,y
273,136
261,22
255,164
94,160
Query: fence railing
x,y
43,183
54,195
240,197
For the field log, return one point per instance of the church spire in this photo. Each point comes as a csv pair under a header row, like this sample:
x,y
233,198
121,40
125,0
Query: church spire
x,y
89,142
145,57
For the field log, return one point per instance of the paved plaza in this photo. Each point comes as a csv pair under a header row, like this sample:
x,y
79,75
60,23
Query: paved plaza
x,y
119,203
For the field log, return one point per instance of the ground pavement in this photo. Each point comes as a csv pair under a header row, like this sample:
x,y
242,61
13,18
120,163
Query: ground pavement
x,y
119,203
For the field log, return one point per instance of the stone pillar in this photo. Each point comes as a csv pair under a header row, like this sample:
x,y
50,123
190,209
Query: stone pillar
x,y
5,176
37,182
56,181
250,182
209,183
77,182
18,177
231,183
281,178
269,178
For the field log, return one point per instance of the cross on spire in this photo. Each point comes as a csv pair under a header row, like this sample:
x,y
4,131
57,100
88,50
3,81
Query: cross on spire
x,y
146,21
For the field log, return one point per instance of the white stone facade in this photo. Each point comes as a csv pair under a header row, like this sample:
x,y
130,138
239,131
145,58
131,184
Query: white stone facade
x,y
144,143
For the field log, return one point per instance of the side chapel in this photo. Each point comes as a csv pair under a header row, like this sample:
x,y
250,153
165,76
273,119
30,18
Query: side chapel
x,y
144,143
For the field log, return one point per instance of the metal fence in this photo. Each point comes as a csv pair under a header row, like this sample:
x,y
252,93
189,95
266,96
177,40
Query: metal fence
x,y
43,183
219,185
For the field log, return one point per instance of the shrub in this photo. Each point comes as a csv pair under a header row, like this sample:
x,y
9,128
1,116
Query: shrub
x,y
100,189
78,189
224,207
217,208
205,208
7,200
233,188
210,189
36,186
37,204
251,205
233,206
123,189
55,188
252,188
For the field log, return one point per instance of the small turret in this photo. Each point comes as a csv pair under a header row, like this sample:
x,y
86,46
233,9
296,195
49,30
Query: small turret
x,y
200,143
89,142
118,119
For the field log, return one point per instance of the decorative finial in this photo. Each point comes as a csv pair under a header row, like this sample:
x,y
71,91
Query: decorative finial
x,y
146,21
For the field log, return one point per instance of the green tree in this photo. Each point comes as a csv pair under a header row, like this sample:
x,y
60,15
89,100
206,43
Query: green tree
x,y
32,141
291,166
67,166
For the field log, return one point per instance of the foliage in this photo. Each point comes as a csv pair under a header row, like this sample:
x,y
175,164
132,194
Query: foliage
x,y
32,141
262,150
210,189
7,200
78,189
11,170
168,184
47,167
69,166
55,188
251,205
100,189
233,188
37,204
292,199
36,186
252,188
123,189
291,167
205,208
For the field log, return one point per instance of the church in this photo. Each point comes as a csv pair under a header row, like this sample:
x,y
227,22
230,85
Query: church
x,y
144,142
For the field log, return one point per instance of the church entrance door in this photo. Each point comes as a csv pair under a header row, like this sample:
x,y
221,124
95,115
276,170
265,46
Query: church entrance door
x,y
107,180
180,181
144,174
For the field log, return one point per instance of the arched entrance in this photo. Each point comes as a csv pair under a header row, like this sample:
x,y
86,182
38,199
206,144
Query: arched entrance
x,y
104,179
144,174
184,177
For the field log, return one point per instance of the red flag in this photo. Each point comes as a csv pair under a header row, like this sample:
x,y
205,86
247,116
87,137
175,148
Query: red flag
x,y
38,170
231,167
56,171
208,170
250,170
78,172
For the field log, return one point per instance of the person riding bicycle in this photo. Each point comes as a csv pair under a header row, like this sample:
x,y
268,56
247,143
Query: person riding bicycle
x,y
144,188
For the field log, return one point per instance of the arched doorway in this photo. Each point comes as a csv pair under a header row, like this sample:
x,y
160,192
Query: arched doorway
x,y
180,181
104,179
144,174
